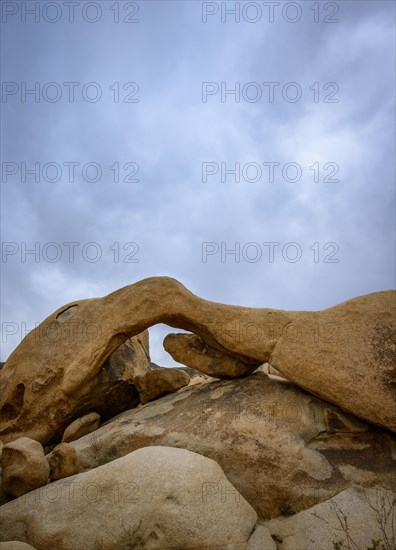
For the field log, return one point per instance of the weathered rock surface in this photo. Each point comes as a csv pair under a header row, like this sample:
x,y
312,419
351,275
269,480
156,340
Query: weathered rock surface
x,y
31,396
277,444
23,467
154,498
269,369
261,539
159,382
197,354
15,545
196,376
63,461
2,493
81,426
344,354
129,360
355,517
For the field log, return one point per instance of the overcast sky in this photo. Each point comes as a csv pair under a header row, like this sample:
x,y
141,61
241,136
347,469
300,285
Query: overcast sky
x,y
328,121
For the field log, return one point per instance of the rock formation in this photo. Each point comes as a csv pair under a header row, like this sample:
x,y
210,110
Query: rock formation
x,y
276,435
81,426
197,354
63,462
344,354
15,545
261,539
159,382
352,519
23,467
32,401
278,445
155,498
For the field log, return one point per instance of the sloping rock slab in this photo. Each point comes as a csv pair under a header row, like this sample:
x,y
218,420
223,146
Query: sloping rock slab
x,y
355,518
276,443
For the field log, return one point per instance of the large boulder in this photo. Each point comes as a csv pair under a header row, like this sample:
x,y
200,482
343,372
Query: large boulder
x,y
152,499
344,354
192,351
355,518
280,446
63,462
23,467
159,382
81,426
33,403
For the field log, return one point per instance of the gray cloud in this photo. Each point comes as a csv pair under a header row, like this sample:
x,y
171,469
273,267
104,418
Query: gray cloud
x,y
170,132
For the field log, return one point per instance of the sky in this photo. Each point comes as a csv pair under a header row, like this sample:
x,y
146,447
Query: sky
x,y
245,148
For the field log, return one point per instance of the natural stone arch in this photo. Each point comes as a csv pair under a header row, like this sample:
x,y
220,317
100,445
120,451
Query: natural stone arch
x,y
337,354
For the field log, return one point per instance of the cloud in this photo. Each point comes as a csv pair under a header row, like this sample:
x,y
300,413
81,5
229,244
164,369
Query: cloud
x,y
170,133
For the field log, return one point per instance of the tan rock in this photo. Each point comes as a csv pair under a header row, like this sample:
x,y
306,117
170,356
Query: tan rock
x,y
23,467
199,378
15,545
159,382
278,445
63,461
131,359
154,498
268,369
81,426
353,518
192,351
38,407
196,376
261,539
344,354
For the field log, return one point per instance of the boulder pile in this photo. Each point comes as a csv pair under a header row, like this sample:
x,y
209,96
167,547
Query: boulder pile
x,y
278,433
